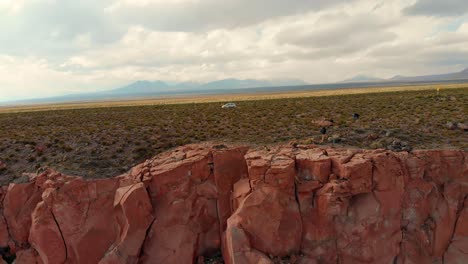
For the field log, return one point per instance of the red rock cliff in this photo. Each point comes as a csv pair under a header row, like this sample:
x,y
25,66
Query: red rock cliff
x,y
284,205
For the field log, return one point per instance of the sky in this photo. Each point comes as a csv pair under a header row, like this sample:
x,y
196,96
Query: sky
x,y
55,47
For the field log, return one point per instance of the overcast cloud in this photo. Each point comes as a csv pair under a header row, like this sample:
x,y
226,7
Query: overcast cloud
x,y
53,47
438,7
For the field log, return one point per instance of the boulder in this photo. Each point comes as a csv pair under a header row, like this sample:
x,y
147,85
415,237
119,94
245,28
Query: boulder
x,y
134,213
237,248
270,220
323,123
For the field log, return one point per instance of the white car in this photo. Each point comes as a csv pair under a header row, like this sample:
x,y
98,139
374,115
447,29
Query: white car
x,y
229,105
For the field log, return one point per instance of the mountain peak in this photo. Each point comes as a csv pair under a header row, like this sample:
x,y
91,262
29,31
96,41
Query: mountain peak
x,y
396,77
363,78
151,87
148,83
142,86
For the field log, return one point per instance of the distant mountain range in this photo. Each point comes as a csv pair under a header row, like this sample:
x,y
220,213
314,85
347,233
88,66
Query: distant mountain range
x,y
461,75
145,87
363,78
152,89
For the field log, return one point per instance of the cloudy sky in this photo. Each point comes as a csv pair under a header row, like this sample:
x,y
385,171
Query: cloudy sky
x,y
53,47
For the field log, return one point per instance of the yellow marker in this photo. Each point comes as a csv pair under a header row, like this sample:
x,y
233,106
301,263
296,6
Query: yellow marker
x,y
438,91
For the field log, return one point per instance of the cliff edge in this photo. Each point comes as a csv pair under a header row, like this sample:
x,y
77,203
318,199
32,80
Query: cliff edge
x,y
287,204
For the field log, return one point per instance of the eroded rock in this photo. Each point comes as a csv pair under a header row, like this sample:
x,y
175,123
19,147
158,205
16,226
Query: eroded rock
x,y
184,197
298,204
18,204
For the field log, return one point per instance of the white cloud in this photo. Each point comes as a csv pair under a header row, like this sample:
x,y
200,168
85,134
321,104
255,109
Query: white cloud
x,y
199,15
33,77
11,7
63,46
438,7
463,29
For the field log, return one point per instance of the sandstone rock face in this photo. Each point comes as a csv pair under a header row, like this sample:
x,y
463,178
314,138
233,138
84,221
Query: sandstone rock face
x,y
280,205
19,202
4,234
229,168
458,248
184,197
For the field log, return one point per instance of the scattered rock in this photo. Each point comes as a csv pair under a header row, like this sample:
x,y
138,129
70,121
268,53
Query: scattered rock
x,y
376,145
335,138
372,136
426,130
293,144
359,131
451,125
324,123
398,145
40,148
463,126
220,146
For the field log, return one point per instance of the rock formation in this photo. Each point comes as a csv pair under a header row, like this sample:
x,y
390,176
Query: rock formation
x,y
286,204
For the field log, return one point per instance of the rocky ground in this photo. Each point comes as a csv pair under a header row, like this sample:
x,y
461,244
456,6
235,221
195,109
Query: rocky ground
x,y
104,142
286,204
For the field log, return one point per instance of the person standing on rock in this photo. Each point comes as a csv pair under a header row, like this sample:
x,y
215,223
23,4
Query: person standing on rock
x,y
323,131
356,116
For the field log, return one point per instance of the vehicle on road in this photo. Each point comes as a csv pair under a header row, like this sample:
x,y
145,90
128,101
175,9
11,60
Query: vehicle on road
x,y
229,105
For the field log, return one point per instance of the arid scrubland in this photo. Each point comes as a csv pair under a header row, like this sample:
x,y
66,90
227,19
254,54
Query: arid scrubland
x,y
103,142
